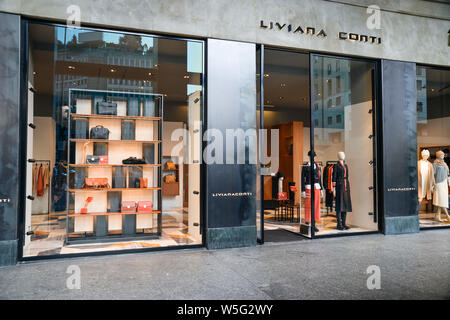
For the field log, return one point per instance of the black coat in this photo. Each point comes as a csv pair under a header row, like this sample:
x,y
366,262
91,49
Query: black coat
x,y
340,179
306,176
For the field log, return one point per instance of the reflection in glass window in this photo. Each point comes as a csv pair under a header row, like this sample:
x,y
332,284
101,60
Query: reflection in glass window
x,y
433,144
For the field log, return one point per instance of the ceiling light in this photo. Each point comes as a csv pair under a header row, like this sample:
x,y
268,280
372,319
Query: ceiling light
x,y
283,84
34,72
266,75
71,67
165,95
149,73
112,70
186,77
156,65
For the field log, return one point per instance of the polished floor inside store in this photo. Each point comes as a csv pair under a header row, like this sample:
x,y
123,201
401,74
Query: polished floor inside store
x,y
326,225
50,235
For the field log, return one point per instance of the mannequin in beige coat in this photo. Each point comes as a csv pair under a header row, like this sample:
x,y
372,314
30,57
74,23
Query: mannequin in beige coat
x,y
425,176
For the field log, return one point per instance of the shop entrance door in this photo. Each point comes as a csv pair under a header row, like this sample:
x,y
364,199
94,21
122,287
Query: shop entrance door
x,y
343,139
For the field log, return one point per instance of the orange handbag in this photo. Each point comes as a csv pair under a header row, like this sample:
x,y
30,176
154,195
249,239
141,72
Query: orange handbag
x,y
143,183
96,183
170,178
170,165
144,206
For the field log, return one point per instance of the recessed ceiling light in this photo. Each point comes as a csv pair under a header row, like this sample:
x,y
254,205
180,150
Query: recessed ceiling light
x,y
156,65
266,75
149,73
186,77
165,95
34,72
283,84
113,70
71,67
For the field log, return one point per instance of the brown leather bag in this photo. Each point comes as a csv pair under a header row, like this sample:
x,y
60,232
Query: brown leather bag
x,y
170,178
170,165
96,183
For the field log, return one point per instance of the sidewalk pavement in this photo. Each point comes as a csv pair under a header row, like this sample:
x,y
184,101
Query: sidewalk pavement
x,y
414,266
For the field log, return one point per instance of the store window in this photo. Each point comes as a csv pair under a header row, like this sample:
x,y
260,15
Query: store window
x,y
344,194
433,146
116,127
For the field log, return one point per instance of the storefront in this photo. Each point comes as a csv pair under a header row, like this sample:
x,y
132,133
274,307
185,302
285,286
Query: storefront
x,y
139,136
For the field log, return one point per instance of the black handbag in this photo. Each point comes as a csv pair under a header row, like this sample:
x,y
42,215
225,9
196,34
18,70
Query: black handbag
x,y
133,160
99,132
93,159
107,108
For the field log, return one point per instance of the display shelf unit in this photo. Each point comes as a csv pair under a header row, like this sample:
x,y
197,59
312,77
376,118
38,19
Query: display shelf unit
x,y
99,224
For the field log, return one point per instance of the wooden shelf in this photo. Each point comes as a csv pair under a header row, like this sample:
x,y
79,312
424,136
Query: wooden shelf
x,y
93,214
105,140
102,116
88,165
112,189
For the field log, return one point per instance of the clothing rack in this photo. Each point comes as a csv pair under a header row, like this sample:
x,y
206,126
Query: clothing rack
x,y
49,187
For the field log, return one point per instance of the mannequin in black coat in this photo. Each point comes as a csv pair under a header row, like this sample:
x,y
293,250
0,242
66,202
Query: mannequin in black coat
x,y
342,191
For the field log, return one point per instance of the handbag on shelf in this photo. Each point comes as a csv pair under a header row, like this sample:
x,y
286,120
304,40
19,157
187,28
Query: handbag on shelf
x,y
282,196
107,108
93,159
96,183
99,132
144,207
128,206
170,178
170,165
133,160
143,183
103,159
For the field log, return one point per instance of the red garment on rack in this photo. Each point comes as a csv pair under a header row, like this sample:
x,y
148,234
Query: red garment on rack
x,y
40,183
316,205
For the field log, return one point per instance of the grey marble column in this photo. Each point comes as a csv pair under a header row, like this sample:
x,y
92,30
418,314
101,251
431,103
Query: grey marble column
x,y
399,123
9,135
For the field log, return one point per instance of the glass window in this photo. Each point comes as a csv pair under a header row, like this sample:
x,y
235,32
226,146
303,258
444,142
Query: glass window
x,y
113,169
433,145
343,147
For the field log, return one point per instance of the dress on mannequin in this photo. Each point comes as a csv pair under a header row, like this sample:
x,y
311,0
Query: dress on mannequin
x,y
440,195
426,179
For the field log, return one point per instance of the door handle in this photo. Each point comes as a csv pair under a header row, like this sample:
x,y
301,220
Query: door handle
x,y
196,224
371,136
371,162
32,125
30,198
29,233
196,192
371,188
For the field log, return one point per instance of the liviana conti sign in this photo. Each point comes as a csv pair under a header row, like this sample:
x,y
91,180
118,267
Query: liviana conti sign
x,y
318,32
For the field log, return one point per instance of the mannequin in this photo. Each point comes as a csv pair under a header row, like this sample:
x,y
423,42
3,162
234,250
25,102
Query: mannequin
x,y
342,191
306,191
442,181
425,176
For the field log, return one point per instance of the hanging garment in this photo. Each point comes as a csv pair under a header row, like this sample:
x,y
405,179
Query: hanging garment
x,y
40,183
46,177
328,185
316,205
440,194
34,178
426,179
340,180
